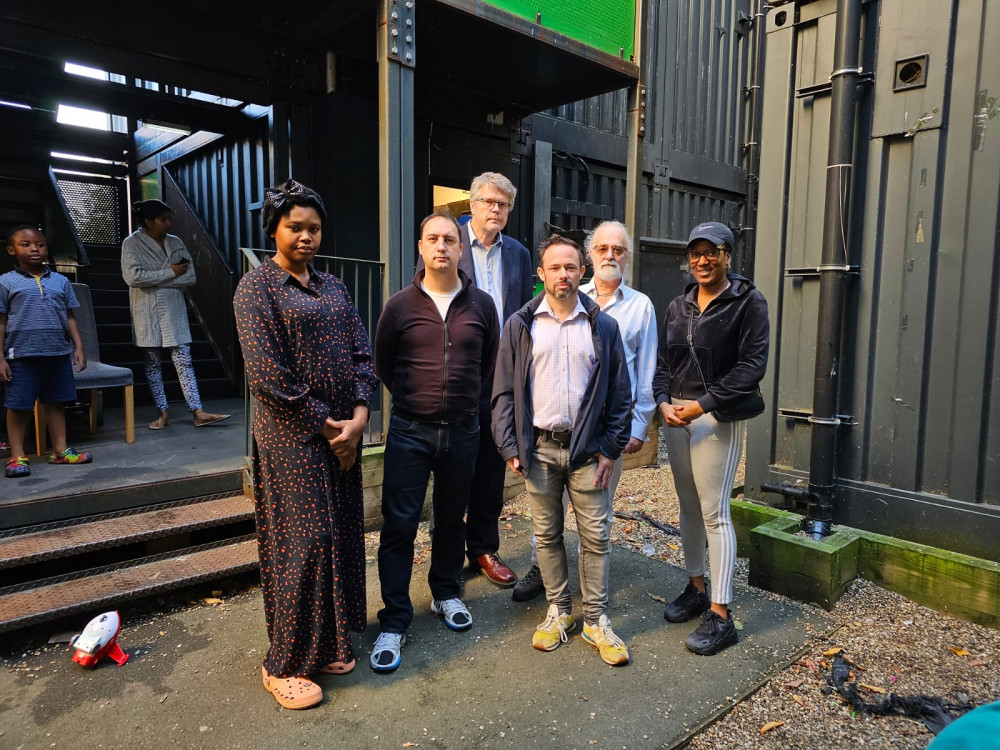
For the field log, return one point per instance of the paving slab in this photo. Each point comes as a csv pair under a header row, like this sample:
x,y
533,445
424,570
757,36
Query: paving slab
x,y
193,680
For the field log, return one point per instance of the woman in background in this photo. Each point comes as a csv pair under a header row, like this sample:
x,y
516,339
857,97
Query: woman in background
x,y
157,267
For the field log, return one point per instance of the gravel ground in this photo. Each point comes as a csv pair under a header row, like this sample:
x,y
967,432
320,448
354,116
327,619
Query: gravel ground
x,y
893,645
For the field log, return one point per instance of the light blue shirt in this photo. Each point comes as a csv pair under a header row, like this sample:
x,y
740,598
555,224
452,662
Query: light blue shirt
x,y
637,323
562,358
488,268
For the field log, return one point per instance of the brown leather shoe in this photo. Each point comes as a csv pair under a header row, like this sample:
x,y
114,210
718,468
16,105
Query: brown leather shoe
x,y
496,570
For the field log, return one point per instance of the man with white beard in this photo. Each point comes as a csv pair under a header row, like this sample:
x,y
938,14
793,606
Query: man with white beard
x,y
609,248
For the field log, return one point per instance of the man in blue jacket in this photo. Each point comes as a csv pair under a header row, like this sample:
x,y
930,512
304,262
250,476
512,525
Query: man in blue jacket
x,y
561,415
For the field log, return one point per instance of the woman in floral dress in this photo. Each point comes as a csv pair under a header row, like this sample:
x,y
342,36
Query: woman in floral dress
x,y
309,370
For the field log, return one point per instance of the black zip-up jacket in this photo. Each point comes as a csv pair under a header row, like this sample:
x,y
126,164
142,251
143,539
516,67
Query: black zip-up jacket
x,y
730,337
605,417
435,368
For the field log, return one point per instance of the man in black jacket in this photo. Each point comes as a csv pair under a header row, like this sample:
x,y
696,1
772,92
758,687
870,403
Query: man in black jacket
x,y
435,343
500,266
561,416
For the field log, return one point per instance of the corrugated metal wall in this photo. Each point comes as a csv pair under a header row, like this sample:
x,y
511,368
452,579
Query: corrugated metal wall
x,y
921,383
226,181
696,73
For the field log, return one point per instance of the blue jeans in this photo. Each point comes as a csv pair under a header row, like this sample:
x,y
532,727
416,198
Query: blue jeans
x,y
548,476
414,449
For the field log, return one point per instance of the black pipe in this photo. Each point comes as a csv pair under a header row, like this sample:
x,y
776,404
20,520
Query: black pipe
x,y
834,267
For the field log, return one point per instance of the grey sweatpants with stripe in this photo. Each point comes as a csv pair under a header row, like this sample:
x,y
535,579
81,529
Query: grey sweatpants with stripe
x,y
704,457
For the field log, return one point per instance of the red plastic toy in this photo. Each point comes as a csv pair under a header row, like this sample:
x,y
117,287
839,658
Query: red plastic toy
x,y
99,639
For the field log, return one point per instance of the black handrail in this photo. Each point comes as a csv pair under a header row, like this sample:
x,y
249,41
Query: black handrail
x,y
363,279
212,295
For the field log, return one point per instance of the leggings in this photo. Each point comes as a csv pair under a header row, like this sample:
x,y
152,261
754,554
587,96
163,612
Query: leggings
x,y
181,355
704,456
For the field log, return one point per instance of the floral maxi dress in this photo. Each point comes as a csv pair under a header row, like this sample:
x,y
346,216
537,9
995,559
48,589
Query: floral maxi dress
x,y
307,357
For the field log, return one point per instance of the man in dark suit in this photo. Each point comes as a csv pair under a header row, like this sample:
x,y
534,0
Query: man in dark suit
x,y
501,267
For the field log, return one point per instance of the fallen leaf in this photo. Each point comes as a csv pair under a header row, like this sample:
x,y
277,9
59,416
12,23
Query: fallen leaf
x,y
871,688
979,664
212,600
794,684
959,651
674,547
823,664
812,666
738,624
656,598
507,527
832,651
798,699
770,725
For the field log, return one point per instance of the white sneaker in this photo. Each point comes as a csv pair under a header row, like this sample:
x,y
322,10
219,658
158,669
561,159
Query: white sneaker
x,y
385,652
455,614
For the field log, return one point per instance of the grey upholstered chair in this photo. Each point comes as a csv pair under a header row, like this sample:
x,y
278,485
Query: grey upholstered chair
x,y
97,375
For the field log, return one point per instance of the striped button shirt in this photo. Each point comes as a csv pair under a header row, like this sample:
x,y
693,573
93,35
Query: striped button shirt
x,y
488,268
637,323
562,359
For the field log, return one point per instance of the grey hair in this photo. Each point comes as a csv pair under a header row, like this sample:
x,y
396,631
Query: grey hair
x,y
496,181
588,244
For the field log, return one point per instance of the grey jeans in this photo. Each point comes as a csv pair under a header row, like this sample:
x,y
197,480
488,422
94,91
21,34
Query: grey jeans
x,y
616,476
548,476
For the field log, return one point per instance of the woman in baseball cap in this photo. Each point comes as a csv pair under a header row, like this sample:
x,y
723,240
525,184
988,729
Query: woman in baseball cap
x,y
713,353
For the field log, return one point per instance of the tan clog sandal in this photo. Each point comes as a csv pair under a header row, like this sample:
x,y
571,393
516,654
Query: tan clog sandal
x,y
338,667
293,692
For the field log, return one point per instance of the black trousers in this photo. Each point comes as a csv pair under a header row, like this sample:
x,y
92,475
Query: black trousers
x,y
413,450
485,494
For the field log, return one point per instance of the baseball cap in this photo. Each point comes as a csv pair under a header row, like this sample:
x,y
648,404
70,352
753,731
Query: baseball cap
x,y
714,232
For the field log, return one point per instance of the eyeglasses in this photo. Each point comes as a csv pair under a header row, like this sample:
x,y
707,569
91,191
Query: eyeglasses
x,y
618,250
491,204
711,253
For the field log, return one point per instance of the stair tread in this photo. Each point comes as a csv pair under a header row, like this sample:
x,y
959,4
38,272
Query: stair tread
x,y
20,609
32,547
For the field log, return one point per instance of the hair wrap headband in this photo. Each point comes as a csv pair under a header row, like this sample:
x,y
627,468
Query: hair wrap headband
x,y
279,196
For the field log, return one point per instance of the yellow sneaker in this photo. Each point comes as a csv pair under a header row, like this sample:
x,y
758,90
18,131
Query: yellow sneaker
x,y
612,647
551,633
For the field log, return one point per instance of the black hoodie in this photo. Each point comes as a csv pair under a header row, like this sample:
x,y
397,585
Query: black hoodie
x,y
730,337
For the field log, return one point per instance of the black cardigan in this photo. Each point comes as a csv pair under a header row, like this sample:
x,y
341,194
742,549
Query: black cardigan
x,y
730,337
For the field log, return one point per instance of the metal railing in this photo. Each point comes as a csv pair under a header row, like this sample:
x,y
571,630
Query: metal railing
x,y
212,296
363,279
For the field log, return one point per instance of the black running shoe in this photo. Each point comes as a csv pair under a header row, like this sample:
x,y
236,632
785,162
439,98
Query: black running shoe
x,y
713,635
690,603
529,586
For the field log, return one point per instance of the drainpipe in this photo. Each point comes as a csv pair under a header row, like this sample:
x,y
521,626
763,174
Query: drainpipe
x,y
834,268
833,277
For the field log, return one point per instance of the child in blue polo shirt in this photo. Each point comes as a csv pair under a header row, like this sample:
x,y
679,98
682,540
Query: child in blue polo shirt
x,y
40,345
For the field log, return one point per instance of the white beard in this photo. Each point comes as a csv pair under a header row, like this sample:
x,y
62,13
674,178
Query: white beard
x,y
608,273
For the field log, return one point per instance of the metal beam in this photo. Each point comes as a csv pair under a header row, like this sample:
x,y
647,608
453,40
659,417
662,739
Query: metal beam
x,y
636,129
543,191
30,85
242,60
395,152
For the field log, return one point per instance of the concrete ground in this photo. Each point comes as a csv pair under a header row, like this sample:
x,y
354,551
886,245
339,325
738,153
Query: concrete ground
x,y
194,676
